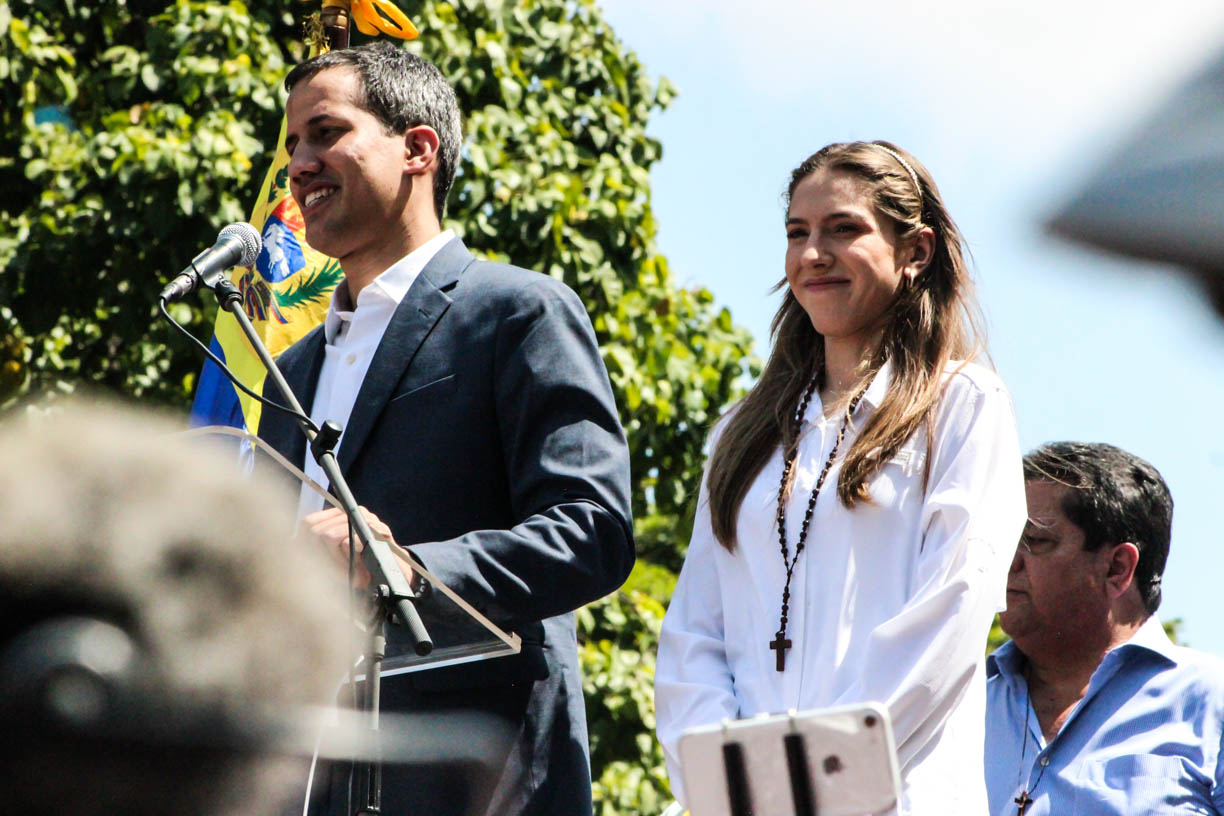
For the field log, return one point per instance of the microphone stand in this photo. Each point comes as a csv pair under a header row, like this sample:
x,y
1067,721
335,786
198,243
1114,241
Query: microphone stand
x,y
391,594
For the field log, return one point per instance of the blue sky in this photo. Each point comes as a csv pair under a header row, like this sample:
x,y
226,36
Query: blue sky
x,y
1010,106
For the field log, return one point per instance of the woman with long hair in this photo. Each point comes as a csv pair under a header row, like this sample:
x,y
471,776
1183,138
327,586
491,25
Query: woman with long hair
x,y
861,505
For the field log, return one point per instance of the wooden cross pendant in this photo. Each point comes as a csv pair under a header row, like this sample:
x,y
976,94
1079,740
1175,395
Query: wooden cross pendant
x,y
1023,800
780,644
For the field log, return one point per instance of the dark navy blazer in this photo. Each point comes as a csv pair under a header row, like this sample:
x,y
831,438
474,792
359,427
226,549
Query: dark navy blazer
x,y
486,436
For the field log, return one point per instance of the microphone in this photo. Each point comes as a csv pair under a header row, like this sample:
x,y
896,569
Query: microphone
x,y
237,245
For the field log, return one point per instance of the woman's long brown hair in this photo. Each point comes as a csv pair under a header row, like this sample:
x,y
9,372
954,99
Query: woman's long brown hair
x,y
933,320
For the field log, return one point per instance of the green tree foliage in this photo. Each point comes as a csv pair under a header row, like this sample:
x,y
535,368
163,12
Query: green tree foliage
x,y
129,133
620,635
133,129
997,636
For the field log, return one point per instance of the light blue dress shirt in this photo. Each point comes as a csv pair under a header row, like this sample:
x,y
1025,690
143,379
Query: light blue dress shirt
x,y
1144,740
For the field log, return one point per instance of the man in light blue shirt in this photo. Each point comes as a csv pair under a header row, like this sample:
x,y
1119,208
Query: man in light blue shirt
x,y
1091,709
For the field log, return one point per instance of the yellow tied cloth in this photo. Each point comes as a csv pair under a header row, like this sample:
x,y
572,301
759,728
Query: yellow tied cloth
x,y
373,17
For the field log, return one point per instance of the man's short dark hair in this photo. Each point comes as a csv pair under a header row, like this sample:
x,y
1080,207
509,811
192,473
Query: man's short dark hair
x,y
1114,497
402,91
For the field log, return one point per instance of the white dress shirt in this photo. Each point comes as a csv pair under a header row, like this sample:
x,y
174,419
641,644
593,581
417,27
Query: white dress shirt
x,y
890,602
352,334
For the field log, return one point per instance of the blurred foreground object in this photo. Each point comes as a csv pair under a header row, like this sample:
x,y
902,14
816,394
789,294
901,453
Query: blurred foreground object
x,y
1161,196
152,606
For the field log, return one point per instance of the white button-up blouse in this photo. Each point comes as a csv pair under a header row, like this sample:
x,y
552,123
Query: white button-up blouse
x,y
890,601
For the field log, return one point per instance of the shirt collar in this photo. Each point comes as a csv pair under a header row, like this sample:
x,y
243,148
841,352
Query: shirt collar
x,y
392,285
878,389
1005,660
879,386
1150,637
874,395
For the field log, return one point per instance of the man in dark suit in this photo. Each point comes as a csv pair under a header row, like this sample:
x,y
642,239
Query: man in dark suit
x,y
480,429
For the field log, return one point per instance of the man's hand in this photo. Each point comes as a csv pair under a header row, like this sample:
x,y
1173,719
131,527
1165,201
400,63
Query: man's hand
x,y
332,527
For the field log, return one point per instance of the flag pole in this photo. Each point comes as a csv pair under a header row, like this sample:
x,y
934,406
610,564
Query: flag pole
x,y
336,17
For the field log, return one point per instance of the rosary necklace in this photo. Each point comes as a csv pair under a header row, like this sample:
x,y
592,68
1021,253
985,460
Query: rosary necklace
x,y
780,643
1024,800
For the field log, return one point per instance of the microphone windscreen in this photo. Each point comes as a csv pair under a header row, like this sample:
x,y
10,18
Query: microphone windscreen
x,y
249,236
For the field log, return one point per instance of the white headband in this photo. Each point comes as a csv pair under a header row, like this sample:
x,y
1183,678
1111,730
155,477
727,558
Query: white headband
x,y
913,176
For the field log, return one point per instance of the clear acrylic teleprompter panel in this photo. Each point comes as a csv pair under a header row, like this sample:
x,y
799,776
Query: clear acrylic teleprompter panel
x,y
459,632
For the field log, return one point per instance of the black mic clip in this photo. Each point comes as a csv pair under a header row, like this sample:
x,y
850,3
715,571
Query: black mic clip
x,y
226,293
325,440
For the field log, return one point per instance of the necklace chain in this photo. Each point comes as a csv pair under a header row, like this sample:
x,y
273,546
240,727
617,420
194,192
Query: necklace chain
x,y
1024,799
781,644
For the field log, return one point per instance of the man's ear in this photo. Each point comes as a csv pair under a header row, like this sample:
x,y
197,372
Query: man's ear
x,y
420,149
1123,558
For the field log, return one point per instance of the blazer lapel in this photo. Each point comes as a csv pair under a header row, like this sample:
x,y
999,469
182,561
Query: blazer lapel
x,y
427,300
300,367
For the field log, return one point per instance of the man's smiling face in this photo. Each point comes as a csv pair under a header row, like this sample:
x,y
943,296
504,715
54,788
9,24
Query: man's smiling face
x,y
346,172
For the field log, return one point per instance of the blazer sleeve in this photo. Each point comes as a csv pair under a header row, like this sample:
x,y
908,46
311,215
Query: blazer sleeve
x,y
567,465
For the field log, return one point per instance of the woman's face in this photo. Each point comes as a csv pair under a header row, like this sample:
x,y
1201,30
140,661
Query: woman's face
x,y
842,260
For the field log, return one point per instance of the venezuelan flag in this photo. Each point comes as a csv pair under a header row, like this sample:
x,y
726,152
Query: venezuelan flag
x,y
285,294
